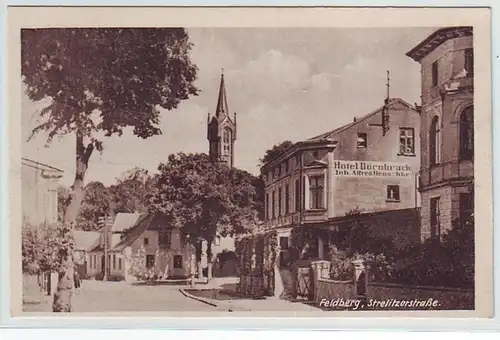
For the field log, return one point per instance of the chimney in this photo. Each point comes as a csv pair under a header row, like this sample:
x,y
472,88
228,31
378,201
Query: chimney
x,y
354,119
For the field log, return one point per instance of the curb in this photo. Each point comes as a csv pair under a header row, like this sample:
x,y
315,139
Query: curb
x,y
213,304
197,298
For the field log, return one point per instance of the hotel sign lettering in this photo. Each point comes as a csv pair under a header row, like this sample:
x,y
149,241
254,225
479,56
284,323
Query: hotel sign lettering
x,y
371,169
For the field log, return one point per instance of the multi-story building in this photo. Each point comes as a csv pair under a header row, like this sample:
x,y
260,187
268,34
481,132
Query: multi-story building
x,y
39,192
447,127
370,166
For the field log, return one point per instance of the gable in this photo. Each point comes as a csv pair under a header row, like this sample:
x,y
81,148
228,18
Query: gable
x,y
316,164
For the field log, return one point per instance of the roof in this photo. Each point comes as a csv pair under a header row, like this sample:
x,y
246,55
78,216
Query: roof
x,y
124,221
334,132
143,223
39,165
329,136
222,108
436,39
85,240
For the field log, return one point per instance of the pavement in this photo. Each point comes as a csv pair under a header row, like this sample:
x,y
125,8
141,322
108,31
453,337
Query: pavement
x,y
99,296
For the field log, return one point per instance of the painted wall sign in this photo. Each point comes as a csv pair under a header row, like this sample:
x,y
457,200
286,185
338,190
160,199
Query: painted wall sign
x,y
371,169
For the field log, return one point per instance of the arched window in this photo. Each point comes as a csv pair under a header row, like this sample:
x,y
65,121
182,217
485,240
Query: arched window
x,y
467,134
435,142
226,141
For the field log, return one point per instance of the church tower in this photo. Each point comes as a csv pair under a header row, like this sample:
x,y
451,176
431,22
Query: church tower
x,y
222,130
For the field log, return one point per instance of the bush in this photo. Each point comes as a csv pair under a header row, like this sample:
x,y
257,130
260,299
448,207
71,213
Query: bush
x,y
447,262
342,269
45,246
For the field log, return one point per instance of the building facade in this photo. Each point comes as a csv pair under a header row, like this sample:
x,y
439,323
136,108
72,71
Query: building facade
x,y
39,192
447,128
221,128
370,165
140,245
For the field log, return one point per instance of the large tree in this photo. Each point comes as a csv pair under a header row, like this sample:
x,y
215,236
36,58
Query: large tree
x,y
101,81
275,151
203,199
129,194
97,202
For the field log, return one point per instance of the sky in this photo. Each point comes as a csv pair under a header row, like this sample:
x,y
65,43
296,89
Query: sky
x,y
283,83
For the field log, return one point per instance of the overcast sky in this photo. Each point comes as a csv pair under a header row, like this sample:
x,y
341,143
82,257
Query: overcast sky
x,y
282,83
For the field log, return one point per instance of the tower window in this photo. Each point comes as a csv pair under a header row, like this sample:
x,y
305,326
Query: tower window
x,y
362,141
227,141
467,134
435,74
435,142
469,61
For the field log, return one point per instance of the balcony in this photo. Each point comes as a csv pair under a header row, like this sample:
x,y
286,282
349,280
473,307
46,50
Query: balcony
x,y
445,172
315,215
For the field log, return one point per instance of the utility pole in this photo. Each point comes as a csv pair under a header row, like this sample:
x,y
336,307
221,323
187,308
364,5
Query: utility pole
x,y
106,222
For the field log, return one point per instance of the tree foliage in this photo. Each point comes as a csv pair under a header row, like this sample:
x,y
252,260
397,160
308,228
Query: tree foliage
x,y
204,198
43,247
97,202
124,74
130,193
275,151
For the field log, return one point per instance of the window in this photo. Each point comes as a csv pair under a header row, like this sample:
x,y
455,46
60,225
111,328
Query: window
x,y
362,141
393,193
297,160
270,176
146,241
466,208
280,195
165,239
435,74
286,167
284,243
435,218
95,261
435,142
273,204
277,171
406,141
469,61
316,187
226,141
177,261
287,199
267,206
108,265
114,261
150,261
467,134
297,195
120,263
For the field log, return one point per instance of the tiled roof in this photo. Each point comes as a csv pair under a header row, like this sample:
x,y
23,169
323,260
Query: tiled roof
x,y
124,221
332,133
86,240
136,231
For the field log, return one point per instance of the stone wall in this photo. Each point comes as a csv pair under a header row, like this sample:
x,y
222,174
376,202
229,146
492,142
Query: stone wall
x,y
386,296
446,298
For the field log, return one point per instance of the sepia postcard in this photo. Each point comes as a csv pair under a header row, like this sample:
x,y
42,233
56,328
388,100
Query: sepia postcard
x,y
250,162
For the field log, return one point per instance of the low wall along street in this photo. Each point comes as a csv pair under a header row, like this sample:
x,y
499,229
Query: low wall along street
x,y
371,169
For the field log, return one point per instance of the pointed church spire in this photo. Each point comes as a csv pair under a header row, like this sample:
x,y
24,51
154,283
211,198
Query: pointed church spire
x,y
222,108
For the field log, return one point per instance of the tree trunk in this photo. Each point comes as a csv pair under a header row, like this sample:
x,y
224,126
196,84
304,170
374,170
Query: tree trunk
x,y
209,260
64,292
